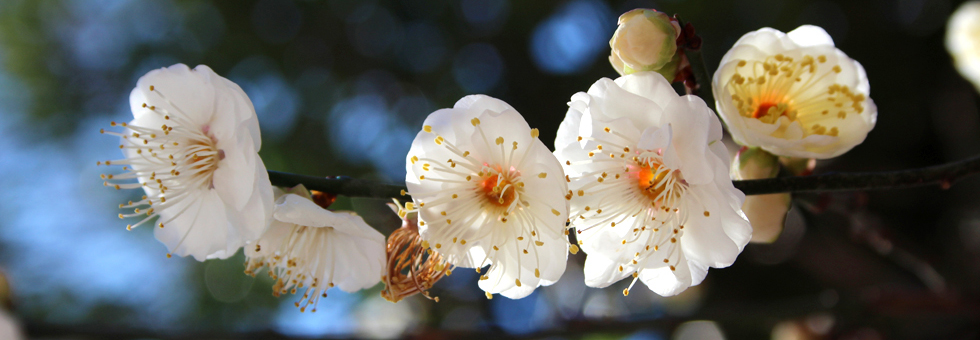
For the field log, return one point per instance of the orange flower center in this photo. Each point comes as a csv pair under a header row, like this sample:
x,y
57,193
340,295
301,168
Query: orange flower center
x,y
501,194
650,181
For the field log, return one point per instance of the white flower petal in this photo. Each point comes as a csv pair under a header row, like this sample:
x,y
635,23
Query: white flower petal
x,y
809,35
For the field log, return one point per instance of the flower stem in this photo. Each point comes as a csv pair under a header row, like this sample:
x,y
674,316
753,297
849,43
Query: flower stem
x,y
943,175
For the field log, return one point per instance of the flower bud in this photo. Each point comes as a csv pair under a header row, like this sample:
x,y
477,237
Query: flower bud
x,y
646,40
767,213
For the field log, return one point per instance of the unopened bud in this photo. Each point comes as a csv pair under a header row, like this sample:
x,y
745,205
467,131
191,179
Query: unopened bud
x,y
766,213
646,40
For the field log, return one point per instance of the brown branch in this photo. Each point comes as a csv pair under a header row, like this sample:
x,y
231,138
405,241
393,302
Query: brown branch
x,y
943,175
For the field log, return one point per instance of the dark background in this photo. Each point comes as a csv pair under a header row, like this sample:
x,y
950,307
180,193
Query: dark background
x,y
341,88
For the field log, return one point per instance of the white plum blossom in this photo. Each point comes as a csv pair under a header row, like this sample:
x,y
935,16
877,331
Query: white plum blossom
x,y
963,41
490,193
192,147
650,193
794,94
311,249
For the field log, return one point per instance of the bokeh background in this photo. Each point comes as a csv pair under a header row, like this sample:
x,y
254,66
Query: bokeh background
x,y
341,87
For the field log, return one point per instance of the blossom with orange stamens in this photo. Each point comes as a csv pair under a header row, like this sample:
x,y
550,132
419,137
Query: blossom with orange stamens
x,y
794,94
490,193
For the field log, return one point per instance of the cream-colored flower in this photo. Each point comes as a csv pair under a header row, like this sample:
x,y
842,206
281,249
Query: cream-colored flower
x,y
794,94
311,249
650,194
963,41
192,147
646,40
490,193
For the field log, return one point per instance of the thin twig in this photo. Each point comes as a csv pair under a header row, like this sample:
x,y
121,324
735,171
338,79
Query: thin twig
x,y
943,175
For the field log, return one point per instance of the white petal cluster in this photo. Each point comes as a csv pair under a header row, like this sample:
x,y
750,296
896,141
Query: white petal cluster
x,y
192,146
650,193
311,249
490,193
963,41
794,94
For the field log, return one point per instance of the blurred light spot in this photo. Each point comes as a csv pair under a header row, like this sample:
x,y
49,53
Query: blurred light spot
x,y
225,281
571,39
307,51
645,335
486,16
276,102
424,47
478,68
364,129
569,292
424,8
352,11
102,36
829,16
923,17
462,319
276,21
600,305
375,35
379,319
461,286
522,316
377,82
205,24
413,109
698,330
333,316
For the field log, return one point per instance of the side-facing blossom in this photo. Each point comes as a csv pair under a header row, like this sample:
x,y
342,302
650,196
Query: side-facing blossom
x,y
650,193
311,249
963,41
794,94
646,40
192,147
490,193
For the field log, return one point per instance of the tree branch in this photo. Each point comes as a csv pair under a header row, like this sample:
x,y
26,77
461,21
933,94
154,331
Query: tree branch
x,y
943,175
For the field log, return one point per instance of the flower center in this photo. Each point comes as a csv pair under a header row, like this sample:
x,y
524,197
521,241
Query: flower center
x,y
168,161
657,182
802,90
498,190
